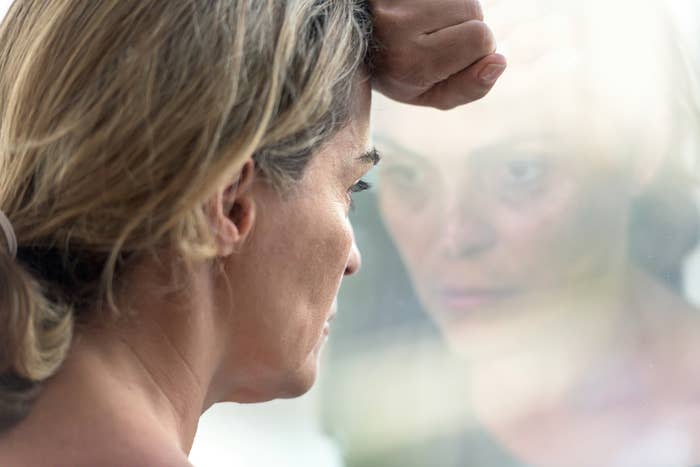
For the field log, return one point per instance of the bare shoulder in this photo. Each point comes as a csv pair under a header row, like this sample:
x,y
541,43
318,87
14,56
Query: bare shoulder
x,y
139,457
146,446
116,454
62,442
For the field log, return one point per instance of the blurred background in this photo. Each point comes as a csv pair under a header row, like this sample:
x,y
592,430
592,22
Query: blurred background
x,y
530,266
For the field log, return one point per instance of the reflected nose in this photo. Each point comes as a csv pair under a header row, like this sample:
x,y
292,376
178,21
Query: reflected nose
x,y
354,259
467,232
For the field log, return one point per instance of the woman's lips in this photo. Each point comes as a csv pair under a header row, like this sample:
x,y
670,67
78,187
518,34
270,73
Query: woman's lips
x,y
327,325
331,317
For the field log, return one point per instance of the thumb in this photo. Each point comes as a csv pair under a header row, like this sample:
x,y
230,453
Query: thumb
x,y
466,86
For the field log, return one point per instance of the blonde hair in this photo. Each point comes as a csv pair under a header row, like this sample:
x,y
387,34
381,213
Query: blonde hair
x,y
119,118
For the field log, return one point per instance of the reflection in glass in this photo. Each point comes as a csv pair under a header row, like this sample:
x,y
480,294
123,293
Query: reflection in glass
x,y
544,231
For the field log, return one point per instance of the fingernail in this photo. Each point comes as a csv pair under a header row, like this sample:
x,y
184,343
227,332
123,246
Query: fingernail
x,y
491,73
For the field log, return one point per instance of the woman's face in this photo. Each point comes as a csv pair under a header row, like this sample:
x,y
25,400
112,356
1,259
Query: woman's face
x,y
284,282
502,209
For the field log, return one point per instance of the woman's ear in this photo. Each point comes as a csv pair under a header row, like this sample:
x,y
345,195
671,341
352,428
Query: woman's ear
x,y
231,211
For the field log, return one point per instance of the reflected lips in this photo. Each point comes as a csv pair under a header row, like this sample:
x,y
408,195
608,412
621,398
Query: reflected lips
x,y
472,298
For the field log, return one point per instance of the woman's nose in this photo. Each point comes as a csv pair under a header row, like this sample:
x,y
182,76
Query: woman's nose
x,y
354,260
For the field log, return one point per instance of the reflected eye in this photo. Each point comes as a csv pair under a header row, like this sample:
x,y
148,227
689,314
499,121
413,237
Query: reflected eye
x,y
524,171
521,175
518,179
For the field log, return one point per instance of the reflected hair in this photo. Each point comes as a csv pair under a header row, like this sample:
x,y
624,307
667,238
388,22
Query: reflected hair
x,y
652,96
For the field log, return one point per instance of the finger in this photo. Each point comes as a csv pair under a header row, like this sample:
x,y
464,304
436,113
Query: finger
x,y
466,86
421,16
452,50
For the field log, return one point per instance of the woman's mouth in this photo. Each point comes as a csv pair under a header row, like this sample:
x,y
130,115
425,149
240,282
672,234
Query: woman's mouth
x,y
331,317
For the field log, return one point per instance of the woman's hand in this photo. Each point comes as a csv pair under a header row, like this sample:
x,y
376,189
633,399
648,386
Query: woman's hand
x,y
436,53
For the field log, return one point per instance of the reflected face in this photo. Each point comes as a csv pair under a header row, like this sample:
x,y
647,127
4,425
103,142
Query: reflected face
x,y
501,209
511,209
286,280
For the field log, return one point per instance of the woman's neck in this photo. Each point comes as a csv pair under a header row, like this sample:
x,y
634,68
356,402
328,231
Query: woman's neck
x,y
150,369
155,367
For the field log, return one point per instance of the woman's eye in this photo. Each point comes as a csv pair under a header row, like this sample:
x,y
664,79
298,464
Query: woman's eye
x,y
358,187
361,185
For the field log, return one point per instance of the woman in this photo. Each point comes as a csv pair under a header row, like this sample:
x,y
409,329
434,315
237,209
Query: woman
x,y
175,184
544,228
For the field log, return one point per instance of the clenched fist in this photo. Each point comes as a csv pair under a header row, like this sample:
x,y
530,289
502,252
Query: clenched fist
x,y
437,53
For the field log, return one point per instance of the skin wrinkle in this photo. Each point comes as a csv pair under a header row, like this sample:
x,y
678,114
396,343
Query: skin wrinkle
x,y
177,410
184,360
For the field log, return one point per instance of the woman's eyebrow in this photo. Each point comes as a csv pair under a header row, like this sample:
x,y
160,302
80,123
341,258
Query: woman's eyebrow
x,y
371,156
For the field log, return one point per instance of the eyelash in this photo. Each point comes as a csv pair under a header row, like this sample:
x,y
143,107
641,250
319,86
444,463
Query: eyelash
x,y
358,187
361,185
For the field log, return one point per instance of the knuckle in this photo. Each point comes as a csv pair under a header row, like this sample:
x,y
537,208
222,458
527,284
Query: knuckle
x,y
483,37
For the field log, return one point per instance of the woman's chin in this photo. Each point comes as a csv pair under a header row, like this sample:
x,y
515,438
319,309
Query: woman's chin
x,y
302,380
282,382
